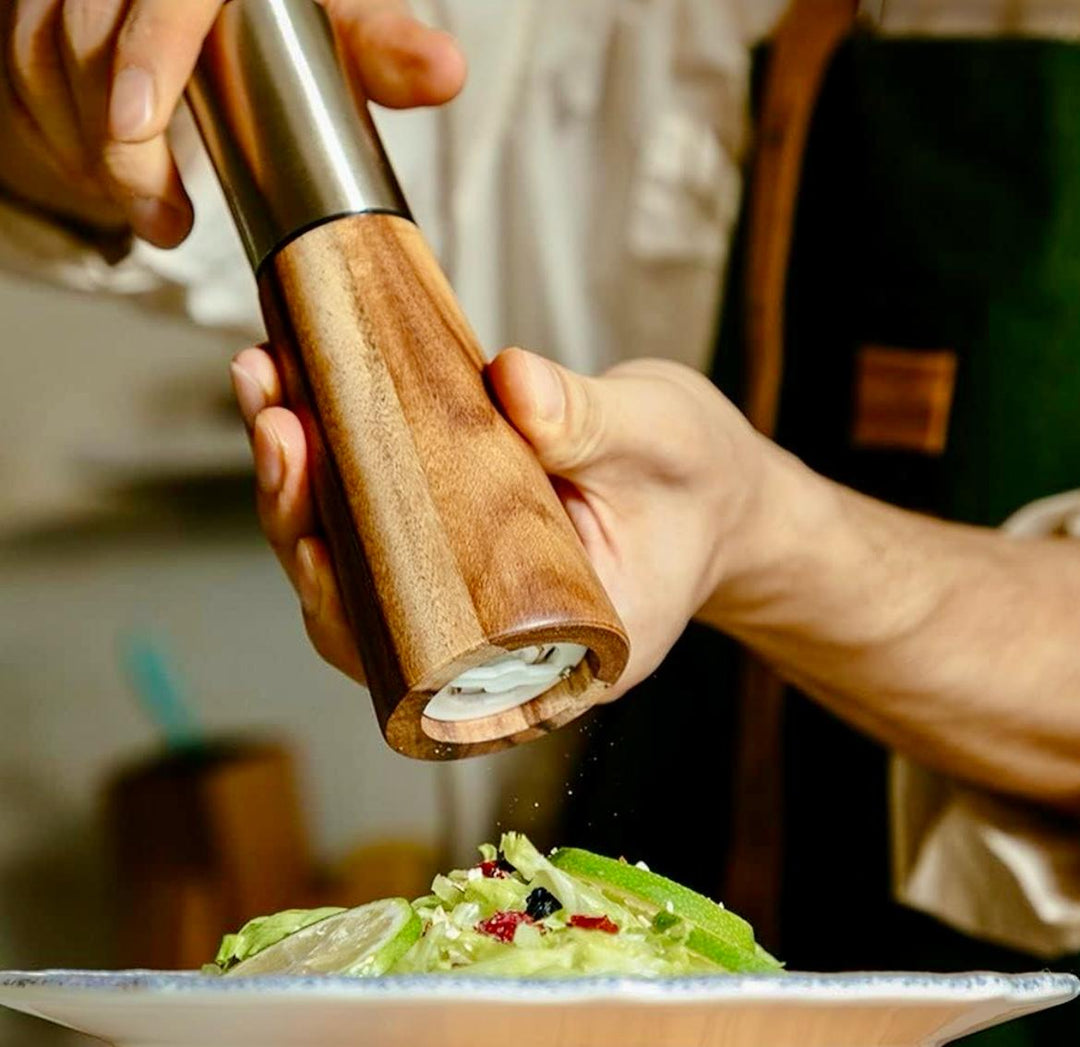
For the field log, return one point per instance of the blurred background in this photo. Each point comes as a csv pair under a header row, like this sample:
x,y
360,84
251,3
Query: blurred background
x,y
175,758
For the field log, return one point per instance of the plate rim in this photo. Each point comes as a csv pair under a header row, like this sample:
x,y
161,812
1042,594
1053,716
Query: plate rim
x,y
856,985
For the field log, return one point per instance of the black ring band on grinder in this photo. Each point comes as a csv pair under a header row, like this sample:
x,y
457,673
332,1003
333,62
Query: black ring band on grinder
x,y
291,145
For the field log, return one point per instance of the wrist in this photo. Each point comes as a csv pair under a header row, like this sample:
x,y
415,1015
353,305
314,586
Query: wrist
x,y
830,568
792,519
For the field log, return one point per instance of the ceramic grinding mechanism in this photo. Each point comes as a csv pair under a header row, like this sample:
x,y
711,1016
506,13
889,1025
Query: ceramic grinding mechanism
x,y
477,614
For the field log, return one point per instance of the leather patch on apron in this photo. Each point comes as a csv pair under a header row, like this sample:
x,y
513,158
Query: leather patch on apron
x,y
903,399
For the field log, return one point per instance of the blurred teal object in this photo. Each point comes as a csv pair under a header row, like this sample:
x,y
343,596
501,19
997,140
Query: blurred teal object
x,y
160,691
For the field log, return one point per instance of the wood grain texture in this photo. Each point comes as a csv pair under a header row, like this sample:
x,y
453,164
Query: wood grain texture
x,y
449,542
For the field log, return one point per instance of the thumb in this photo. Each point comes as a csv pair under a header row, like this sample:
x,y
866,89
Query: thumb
x,y
567,418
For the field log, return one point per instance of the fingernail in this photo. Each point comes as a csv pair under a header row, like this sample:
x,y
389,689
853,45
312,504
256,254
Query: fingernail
x,y
547,389
157,222
131,105
249,394
307,579
269,459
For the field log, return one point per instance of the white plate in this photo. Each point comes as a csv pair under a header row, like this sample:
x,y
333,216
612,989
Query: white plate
x,y
145,1009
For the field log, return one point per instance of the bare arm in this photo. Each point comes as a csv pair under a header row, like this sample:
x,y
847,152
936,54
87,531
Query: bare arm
x,y
957,646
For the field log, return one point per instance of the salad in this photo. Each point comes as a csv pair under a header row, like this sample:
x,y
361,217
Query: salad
x,y
515,913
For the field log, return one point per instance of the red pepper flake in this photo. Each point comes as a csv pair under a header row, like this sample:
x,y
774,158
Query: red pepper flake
x,y
492,871
594,923
503,925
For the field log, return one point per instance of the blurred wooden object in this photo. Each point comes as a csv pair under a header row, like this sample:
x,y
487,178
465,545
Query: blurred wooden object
x,y
386,869
257,832
171,923
802,49
206,839
202,841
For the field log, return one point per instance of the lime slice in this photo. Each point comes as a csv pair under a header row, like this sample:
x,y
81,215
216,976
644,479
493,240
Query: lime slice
x,y
365,941
264,931
716,933
732,958
651,893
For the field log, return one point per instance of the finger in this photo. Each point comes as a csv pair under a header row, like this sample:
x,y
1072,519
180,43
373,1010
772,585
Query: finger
x,y
256,383
32,170
144,180
38,80
284,500
141,176
286,513
86,34
324,614
157,47
392,58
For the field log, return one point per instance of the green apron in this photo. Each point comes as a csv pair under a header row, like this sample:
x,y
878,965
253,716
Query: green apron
x,y
940,209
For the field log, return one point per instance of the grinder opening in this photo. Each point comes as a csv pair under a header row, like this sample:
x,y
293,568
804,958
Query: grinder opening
x,y
505,682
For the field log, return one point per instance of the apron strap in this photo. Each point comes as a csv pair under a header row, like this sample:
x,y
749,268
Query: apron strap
x,y
802,49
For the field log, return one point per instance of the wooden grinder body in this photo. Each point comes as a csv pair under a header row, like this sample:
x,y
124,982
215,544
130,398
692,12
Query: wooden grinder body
x,y
449,542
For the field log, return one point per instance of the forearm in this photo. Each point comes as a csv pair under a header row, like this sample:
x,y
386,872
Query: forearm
x,y
956,645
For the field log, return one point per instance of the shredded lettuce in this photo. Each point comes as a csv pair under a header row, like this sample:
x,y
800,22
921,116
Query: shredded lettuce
x,y
575,895
494,920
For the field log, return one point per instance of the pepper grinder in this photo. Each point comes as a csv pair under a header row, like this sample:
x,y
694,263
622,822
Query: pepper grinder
x,y
479,619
